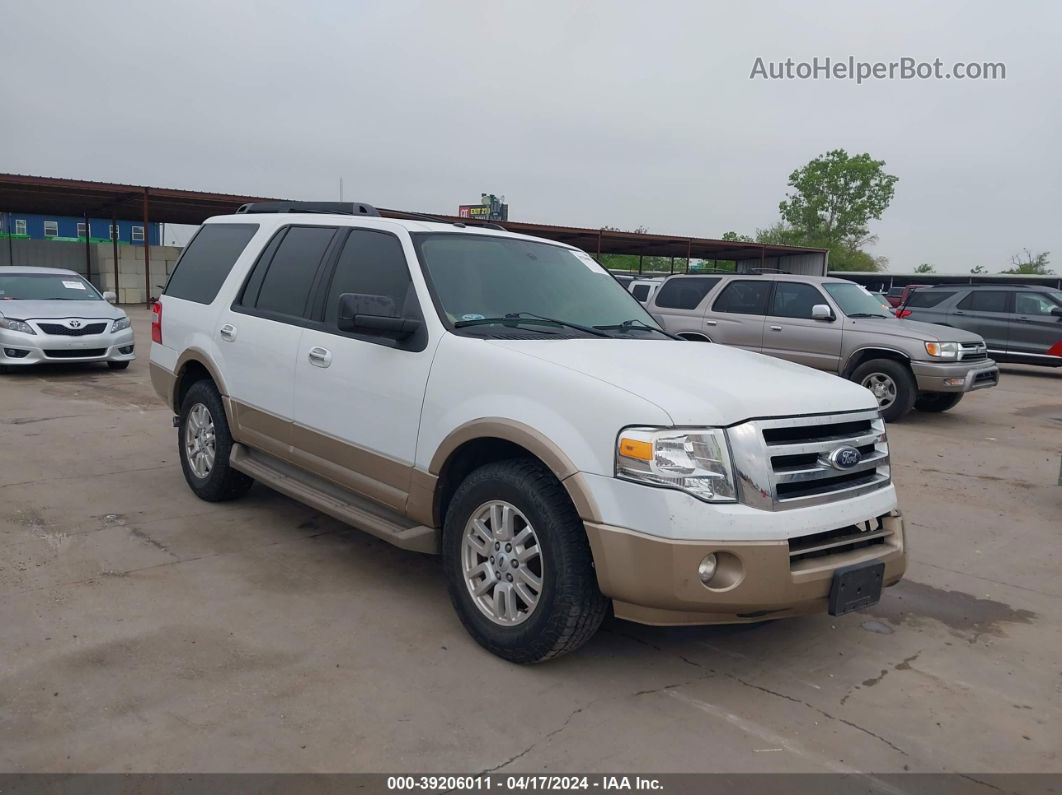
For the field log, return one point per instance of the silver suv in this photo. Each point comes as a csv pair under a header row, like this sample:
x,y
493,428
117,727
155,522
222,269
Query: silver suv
x,y
833,325
1019,323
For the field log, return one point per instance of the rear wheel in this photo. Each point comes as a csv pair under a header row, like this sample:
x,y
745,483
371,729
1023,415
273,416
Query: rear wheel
x,y
892,385
518,563
204,444
938,401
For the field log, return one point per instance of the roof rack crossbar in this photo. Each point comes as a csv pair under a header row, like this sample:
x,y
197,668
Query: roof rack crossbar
x,y
331,208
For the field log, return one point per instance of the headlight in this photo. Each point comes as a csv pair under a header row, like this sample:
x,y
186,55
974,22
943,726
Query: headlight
x,y
16,325
943,350
120,324
696,461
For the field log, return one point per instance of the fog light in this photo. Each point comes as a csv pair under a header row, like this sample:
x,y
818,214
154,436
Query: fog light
x,y
125,350
14,353
954,381
707,568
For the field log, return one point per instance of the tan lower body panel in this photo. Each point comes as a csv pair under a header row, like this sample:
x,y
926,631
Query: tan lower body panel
x,y
655,581
163,382
335,501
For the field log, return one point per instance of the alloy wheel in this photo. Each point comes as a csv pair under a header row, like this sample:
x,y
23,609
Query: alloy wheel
x,y
501,561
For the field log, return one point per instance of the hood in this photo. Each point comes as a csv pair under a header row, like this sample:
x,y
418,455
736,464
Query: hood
x,y
702,383
51,310
910,329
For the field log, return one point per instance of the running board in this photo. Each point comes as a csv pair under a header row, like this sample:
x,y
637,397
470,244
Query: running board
x,y
334,500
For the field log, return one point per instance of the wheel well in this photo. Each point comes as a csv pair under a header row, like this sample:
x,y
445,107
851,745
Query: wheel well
x,y
192,372
873,353
687,335
470,456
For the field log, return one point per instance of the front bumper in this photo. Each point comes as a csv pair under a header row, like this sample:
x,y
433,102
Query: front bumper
x,y
654,580
955,376
25,350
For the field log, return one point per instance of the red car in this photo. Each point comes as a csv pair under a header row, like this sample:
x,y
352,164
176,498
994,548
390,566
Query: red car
x,y
898,295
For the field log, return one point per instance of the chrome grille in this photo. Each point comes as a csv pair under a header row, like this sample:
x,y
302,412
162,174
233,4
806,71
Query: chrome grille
x,y
972,351
785,463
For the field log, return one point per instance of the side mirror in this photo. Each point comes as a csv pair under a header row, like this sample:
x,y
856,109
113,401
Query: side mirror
x,y
821,312
110,296
373,315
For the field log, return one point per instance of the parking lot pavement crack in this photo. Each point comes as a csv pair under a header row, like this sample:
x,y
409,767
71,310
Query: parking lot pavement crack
x,y
39,481
549,735
823,712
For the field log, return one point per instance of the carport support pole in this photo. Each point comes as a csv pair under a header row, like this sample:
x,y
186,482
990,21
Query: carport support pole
x,y
672,269
147,256
88,250
598,246
689,251
113,231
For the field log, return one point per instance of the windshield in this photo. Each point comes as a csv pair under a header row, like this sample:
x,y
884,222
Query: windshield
x,y
479,277
46,287
854,300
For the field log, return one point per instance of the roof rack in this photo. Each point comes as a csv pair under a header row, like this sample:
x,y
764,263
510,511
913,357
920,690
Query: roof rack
x,y
331,208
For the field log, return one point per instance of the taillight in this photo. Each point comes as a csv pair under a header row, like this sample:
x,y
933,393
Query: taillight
x,y
156,322
903,313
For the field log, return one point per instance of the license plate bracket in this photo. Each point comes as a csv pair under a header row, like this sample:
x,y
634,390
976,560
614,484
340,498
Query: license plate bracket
x,y
855,587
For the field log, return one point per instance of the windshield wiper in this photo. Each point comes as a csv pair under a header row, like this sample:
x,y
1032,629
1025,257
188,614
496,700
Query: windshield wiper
x,y
527,317
865,314
637,325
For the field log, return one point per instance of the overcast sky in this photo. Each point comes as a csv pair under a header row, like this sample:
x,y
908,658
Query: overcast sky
x,y
581,113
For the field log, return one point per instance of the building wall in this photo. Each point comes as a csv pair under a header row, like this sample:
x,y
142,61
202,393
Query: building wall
x,y
67,227
134,281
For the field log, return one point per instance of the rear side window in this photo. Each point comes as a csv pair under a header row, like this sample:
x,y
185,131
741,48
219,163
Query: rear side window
x,y
285,285
207,261
925,299
372,263
985,301
684,292
744,298
792,299
641,292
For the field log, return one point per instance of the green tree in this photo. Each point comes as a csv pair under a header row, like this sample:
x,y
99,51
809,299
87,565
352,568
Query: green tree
x,y
1026,263
925,267
980,269
835,196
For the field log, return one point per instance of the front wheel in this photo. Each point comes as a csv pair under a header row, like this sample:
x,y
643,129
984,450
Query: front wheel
x,y
518,563
892,385
938,401
204,444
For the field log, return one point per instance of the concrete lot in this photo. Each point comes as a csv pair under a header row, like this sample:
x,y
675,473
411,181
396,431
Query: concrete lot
x,y
144,630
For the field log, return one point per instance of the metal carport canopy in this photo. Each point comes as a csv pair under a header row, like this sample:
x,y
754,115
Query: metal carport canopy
x,y
72,197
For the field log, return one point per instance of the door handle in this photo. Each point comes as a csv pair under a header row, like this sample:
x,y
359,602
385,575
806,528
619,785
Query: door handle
x,y
319,357
776,328
227,332
958,312
709,323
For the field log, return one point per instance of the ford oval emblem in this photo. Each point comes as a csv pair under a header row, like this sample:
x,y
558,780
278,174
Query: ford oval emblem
x,y
845,457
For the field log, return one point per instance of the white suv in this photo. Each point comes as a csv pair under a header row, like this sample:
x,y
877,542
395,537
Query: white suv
x,y
504,401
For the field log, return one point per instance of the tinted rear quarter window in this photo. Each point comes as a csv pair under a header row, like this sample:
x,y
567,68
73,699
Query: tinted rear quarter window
x,y
290,273
207,261
640,291
985,301
684,292
925,299
744,298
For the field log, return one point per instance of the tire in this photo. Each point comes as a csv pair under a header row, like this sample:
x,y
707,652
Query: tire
x,y
217,481
568,608
118,365
898,392
938,401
